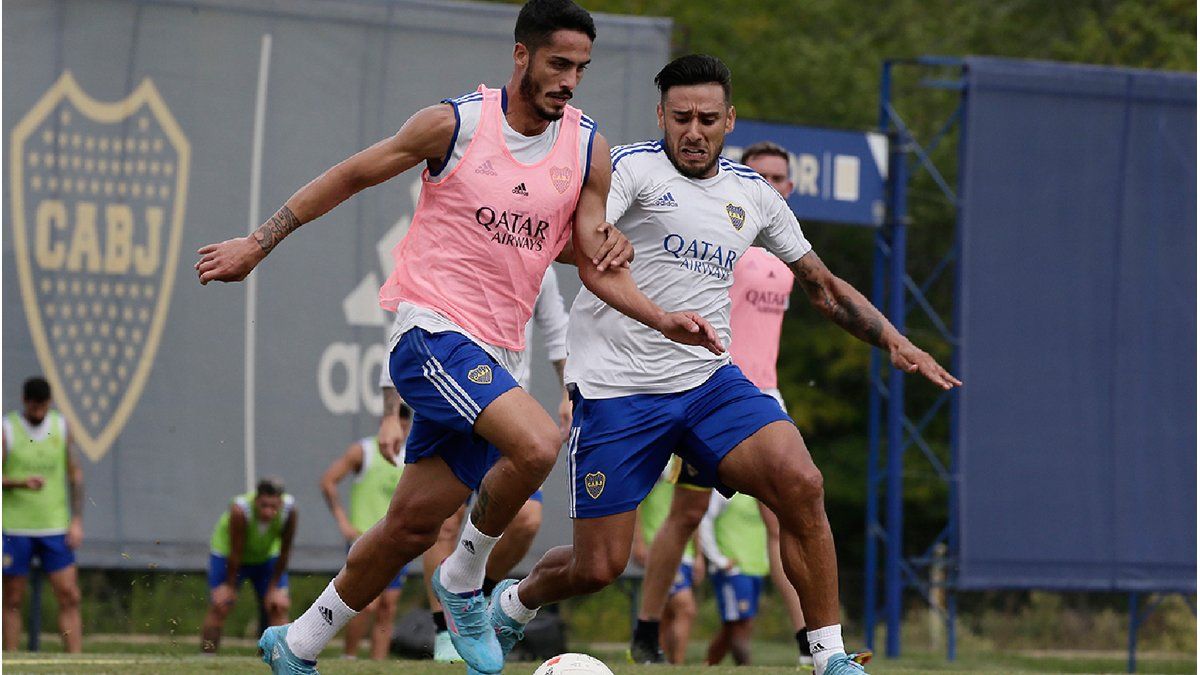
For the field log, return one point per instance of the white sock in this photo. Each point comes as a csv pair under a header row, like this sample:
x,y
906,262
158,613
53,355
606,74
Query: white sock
x,y
463,571
309,634
825,643
510,604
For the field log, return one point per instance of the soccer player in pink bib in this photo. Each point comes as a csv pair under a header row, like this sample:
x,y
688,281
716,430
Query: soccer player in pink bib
x,y
515,178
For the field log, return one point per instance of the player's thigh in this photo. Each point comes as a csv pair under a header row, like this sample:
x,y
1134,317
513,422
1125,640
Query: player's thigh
x,y
617,450
54,552
428,493
773,465
65,584
14,590
722,414
688,505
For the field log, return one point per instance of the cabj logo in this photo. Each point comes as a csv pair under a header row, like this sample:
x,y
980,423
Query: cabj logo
x,y
594,484
98,195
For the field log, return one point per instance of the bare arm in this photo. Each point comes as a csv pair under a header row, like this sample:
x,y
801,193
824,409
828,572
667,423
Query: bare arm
x,y
285,549
844,305
351,461
615,285
237,542
75,480
424,137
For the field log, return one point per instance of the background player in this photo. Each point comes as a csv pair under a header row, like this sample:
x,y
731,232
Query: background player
x,y
466,276
759,297
630,414
375,479
43,512
251,540
680,610
734,540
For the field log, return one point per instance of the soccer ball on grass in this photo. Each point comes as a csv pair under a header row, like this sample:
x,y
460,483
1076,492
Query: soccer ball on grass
x,y
573,664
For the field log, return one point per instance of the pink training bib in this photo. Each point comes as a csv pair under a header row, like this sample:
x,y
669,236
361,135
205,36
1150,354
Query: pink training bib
x,y
482,238
761,286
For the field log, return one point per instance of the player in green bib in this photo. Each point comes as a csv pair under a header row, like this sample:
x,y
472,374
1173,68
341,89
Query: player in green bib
x,y
680,610
43,512
375,479
252,540
734,539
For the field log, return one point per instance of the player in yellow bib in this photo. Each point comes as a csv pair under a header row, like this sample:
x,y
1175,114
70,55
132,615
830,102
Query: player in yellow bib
x,y
375,480
43,512
252,540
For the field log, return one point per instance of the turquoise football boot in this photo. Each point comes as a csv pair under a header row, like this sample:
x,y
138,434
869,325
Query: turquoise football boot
x,y
275,653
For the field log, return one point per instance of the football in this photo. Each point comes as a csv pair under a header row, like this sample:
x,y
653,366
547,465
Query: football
x,y
573,664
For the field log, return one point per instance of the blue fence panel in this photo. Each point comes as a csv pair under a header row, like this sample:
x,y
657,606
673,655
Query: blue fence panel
x,y
1078,279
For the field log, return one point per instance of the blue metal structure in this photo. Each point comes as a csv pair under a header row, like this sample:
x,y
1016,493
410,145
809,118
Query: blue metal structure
x,y
1104,179
889,424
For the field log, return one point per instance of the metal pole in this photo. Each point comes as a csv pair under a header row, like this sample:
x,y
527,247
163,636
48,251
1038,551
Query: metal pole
x,y
894,583
1133,631
875,404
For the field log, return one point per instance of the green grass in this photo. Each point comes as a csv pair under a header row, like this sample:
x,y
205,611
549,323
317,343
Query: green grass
x,y
145,658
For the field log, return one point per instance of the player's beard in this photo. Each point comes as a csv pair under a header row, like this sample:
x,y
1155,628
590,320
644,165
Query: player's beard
x,y
672,154
529,91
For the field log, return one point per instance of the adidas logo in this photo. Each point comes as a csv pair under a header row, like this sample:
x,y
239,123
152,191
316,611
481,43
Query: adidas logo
x,y
486,168
666,200
326,614
469,546
520,190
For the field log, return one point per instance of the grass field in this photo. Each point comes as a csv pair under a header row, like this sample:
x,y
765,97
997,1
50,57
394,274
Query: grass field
x,y
159,657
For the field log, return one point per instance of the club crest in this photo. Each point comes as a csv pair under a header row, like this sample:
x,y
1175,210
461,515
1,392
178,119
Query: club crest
x,y
594,482
480,374
737,215
560,177
98,193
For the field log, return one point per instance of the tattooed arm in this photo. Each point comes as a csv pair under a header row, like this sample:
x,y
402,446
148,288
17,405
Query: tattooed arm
x,y
423,138
844,305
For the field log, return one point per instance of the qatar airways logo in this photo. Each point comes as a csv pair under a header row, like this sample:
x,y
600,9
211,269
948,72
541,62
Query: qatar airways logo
x,y
513,228
768,302
701,257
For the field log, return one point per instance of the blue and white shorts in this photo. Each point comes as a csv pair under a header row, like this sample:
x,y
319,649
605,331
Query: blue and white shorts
x,y
619,446
448,380
737,595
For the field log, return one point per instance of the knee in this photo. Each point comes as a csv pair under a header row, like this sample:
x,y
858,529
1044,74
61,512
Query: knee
x,y
13,600
686,519
804,486
527,522
68,598
594,574
411,532
538,456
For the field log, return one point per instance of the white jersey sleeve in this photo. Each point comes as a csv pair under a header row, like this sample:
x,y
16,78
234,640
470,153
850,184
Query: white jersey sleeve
x,y
782,235
551,317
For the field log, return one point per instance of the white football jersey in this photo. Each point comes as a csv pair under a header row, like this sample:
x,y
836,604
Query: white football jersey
x,y
687,234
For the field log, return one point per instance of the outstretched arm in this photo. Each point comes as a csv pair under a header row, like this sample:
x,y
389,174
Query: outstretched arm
x,y
845,306
615,285
424,137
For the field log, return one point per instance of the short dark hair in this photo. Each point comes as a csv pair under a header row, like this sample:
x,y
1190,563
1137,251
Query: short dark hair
x,y
271,486
540,18
768,148
36,390
694,69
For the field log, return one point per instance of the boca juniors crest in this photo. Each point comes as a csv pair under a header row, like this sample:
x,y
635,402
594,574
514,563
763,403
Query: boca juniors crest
x,y
98,197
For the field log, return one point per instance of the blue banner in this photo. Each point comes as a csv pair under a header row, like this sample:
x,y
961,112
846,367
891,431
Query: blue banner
x,y
838,176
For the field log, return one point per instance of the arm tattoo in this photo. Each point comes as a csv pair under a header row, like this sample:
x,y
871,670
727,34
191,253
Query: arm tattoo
x,y
270,233
860,319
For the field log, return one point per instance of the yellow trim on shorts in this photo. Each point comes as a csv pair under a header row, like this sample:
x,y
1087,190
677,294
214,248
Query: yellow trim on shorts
x,y
676,476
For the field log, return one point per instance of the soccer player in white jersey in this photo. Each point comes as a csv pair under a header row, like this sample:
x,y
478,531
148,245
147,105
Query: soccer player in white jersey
x,y
465,280
691,216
